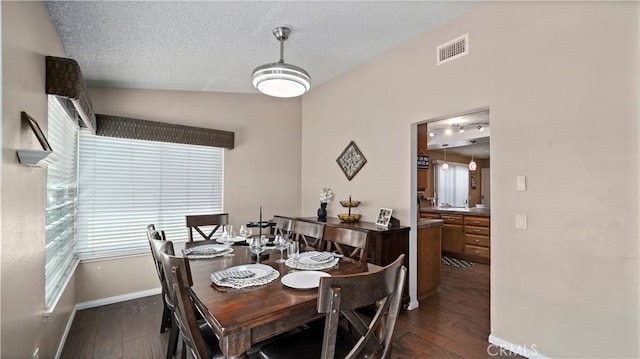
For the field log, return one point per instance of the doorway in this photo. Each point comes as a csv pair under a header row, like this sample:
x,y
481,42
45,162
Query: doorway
x,y
462,142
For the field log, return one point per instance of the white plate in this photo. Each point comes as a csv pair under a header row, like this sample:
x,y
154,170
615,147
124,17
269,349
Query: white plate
x,y
305,258
303,279
260,270
233,240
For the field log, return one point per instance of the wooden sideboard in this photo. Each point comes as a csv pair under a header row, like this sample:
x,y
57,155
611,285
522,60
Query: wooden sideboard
x,y
385,245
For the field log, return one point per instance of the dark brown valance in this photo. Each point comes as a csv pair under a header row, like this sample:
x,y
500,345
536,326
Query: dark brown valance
x,y
64,79
123,127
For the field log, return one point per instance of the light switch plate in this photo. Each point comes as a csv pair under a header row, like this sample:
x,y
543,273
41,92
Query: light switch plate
x,y
521,183
521,221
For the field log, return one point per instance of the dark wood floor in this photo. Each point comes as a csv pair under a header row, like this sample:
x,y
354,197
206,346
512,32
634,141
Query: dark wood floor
x,y
454,323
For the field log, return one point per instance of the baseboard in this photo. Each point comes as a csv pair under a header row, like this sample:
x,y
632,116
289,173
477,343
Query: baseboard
x,y
530,351
67,328
117,298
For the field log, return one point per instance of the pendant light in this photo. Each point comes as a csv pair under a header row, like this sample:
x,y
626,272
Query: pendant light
x,y
280,79
445,165
472,165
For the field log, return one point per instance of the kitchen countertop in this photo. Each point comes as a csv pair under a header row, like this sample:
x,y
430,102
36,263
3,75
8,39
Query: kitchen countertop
x,y
480,212
428,223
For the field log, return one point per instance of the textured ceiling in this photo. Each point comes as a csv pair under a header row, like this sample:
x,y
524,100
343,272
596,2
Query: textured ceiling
x,y
214,46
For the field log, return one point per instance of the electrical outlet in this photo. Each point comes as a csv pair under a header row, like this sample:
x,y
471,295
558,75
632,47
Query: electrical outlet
x,y
521,221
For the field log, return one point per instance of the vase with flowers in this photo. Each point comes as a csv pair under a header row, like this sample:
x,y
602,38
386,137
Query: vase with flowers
x,y
325,196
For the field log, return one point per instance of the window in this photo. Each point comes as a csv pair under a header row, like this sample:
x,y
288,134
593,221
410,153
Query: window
x,y
60,258
127,184
452,185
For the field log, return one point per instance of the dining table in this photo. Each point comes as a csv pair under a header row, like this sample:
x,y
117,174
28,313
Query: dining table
x,y
244,317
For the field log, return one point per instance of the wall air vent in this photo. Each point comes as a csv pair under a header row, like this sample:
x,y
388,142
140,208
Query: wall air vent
x,y
453,49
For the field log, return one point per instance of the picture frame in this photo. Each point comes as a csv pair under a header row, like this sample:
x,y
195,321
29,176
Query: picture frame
x,y
384,217
423,162
351,160
37,131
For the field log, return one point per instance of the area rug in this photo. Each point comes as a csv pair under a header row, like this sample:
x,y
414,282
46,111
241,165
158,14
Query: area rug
x,y
455,262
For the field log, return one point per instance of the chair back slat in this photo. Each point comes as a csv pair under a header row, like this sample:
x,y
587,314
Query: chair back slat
x,y
343,294
195,222
179,279
346,241
308,233
283,225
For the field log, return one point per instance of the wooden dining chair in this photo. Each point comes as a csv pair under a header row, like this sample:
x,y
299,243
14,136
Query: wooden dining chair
x,y
346,241
156,238
283,225
195,222
308,233
150,228
197,338
340,296
158,242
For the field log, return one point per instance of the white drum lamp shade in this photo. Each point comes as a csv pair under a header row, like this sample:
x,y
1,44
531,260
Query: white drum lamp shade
x,y
280,79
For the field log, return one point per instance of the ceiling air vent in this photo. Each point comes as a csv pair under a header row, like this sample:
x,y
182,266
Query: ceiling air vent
x,y
453,49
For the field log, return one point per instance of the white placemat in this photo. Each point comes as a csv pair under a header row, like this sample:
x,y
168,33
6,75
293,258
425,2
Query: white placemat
x,y
304,262
244,283
196,255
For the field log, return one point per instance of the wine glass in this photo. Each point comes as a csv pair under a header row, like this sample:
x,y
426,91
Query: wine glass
x,y
281,243
228,236
245,232
225,234
257,245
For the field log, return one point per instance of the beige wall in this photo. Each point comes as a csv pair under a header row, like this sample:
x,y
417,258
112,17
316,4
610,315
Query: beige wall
x,y
100,279
27,37
568,284
262,169
553,74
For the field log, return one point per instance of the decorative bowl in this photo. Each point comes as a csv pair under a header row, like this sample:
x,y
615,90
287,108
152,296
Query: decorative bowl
x,y
349,217
350,203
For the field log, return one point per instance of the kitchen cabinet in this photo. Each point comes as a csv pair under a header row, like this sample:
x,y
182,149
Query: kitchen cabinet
x,y
423,174
466,233
429,256
477,238
452,234
429,215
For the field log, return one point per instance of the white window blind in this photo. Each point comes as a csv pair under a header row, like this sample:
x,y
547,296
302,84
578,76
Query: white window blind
x,y
127,184
452,185
60,258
